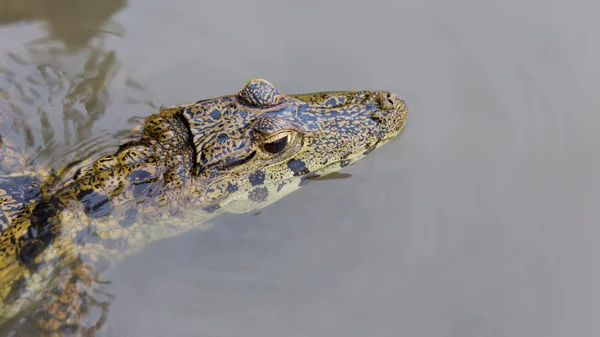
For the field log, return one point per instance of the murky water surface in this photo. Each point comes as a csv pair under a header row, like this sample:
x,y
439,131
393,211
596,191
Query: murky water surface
x,y
480,220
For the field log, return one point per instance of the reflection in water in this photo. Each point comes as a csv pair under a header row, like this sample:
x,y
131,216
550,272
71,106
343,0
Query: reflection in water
x,y
332,176
65,77
72,22
78,99
38,95
44,87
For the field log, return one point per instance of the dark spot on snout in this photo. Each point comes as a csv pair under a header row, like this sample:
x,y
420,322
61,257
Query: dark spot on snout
x,y
297,166
391,99
259,194
257,178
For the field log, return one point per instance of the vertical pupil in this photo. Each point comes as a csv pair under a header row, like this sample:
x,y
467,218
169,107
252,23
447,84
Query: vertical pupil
x,y
276,146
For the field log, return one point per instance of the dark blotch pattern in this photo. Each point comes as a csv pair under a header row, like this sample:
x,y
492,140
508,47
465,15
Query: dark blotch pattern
x,y
259,194
139,189
297,166
96,205
215,114
304,180
40,234
257,178
231,188
211,209
29,250
222,138
140,180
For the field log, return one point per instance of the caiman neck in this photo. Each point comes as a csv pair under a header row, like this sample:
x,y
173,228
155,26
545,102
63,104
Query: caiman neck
x,y
119,196
146,175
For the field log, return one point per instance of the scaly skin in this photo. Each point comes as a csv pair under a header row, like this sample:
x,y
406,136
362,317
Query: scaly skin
x,y
234,153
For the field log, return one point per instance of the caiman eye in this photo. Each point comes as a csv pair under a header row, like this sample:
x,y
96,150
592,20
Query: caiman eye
x,y
277,145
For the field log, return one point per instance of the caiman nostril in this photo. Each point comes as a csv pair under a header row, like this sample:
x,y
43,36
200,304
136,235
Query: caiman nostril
x,y
387,100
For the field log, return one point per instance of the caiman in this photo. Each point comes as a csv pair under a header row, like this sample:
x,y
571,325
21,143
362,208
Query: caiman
x,y
189,162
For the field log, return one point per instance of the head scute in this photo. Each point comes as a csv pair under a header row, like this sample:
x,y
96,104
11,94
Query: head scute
x,y
261,94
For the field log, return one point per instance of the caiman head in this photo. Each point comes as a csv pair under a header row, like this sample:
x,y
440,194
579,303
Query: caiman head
x,y
254,147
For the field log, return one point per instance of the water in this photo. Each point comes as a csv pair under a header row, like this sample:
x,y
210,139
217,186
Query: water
x,y
480,220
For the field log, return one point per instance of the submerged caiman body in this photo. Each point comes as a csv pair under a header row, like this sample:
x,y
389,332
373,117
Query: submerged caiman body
x,y
190,162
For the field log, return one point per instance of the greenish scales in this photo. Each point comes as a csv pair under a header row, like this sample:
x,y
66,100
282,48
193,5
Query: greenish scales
x,y
188,163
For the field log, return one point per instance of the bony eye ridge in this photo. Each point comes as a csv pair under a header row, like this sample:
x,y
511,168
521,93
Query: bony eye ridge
x,y
277,145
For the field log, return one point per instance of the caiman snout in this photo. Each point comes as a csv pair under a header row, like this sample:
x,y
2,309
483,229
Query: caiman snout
x,y
391,114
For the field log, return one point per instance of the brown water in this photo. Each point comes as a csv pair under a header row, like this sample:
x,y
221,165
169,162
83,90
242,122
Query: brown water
x,y
481,220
